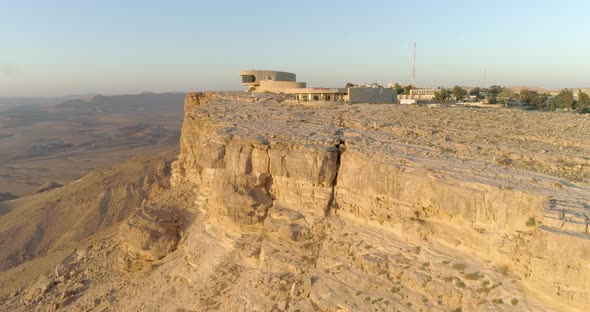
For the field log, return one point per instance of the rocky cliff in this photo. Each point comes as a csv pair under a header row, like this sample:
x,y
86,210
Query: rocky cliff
x,y
446,184
275,205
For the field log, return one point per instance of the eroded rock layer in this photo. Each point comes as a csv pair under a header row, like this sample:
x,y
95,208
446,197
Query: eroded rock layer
x,y
496,184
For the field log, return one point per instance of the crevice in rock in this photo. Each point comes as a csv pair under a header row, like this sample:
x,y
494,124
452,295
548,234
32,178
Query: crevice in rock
x,y
332,204
267,187
267,184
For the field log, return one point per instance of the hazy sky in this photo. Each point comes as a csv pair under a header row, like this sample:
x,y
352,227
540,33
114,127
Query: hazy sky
x,y
62,47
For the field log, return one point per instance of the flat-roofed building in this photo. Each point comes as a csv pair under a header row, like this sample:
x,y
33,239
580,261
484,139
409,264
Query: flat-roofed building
x,y
270,80
416,95
351,95
283,82
374,94
422,94
318,94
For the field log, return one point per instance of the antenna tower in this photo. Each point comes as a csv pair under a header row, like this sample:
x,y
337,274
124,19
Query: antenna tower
x,y
414,66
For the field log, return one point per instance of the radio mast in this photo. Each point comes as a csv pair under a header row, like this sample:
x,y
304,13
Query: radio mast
x,y
414,66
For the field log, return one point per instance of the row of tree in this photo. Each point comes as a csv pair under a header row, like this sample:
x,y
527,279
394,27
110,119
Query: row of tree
x,y
493,94
565,100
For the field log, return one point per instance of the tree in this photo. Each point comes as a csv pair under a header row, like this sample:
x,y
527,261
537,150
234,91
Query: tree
x,y
475,91
459,92
399,89
349,85
407,89
540,101
527,96
583,104
564,100
506,93
495,91
442,95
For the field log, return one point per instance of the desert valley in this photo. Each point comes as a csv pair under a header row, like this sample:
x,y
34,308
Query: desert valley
x,y
53,141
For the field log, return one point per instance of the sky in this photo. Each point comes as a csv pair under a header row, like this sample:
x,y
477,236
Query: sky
x,y
59,47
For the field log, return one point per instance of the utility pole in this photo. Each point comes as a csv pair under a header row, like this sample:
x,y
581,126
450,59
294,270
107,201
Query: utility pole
x,y
414,66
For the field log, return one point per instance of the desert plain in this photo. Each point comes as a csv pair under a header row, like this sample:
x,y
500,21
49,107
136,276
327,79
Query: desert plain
x,y
46,141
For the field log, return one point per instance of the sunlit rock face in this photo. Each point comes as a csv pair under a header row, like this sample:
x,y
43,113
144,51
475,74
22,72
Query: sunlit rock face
x,y
426,174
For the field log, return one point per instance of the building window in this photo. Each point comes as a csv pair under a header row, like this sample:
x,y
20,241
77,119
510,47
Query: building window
x,y
248,79
327,97
316,97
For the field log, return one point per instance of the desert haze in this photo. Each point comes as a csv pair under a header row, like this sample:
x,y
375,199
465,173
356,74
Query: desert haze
x,y
56,140
265,203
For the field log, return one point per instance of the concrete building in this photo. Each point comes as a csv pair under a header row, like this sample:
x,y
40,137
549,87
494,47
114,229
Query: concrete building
x,y
417,95
377,95
270,80
351,95
422,94
283,82
318,94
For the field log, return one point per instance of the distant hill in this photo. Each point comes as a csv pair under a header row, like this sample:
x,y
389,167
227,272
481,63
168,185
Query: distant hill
x,y
518,89
19,101
10,102
124,103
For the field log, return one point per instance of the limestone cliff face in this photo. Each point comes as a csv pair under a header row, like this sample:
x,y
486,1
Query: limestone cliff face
x,y
241,177
476,217
247,158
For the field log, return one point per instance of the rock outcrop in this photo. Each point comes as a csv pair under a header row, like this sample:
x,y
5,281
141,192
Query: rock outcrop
x,y
149,234
426,185
241,176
